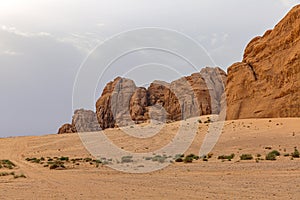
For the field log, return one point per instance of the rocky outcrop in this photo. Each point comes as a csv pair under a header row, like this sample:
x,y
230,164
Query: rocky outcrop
x,y
112,107
122,103
67,128
82,121
267,81
85,121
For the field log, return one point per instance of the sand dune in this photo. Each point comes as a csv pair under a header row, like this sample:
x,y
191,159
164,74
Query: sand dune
x,y
215,179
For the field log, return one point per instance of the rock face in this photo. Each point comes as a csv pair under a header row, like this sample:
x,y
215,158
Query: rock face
x,y
85,121
138,104
267,81
82,121
122,103
112,107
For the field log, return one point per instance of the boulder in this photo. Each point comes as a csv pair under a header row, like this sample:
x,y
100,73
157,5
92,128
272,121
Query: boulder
x,y
67,128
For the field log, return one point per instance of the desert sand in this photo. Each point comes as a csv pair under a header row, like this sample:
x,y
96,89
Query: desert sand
x,y
212,179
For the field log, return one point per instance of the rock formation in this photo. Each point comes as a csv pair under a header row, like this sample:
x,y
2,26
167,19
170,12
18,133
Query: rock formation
x,y
267,81
122,103
85,121
82,121
112,107
67,128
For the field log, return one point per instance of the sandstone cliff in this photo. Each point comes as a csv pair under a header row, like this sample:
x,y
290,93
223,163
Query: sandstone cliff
x,y
267,81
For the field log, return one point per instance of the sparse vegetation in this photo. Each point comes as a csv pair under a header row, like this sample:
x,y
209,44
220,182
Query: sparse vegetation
x,y
126,159
296,153
189,158
63,158
7,173
258,155
272,155
7,164
179,160
12,174
206,157
275,152
226,157
179,157
56,165
246,157
159,158
65,162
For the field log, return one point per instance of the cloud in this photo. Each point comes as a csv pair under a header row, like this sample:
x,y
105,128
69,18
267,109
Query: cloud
x,y
15,31
82,42
10,53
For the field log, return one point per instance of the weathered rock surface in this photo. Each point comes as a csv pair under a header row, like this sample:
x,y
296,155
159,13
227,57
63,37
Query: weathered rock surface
x,y
82,121
67,128
85,121
267,81
122,103
138,104
112,107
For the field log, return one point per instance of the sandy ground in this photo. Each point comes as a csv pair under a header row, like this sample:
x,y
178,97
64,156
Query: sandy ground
x,y
214,179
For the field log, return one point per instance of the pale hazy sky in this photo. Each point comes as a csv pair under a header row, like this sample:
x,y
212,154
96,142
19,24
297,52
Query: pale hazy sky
x,y
44,42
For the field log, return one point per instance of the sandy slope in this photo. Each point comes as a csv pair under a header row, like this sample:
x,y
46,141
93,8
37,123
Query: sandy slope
x,y
214,179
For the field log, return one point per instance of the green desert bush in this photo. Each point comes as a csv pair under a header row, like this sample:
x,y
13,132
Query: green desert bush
x,y
4,174
246,157
7,173
275,152
270,156
226,157
193,156
189,158
148,158
159,158
296,153
7,164
258,155
87,159
64,158
126,159
179,159
56,165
